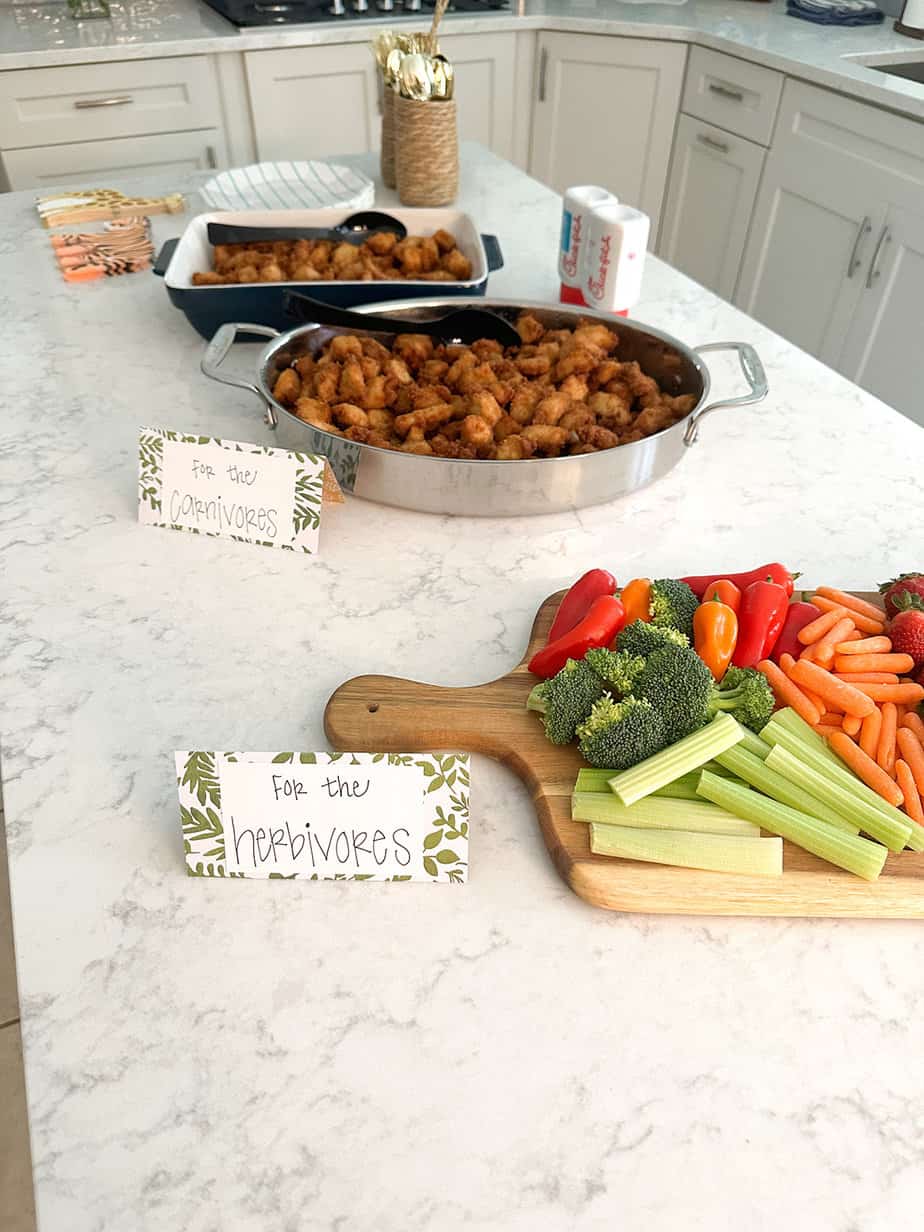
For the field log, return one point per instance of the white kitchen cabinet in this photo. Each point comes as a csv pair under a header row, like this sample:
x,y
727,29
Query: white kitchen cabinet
x,y
311,102
710,197
604,114
86,164
820,267
882,349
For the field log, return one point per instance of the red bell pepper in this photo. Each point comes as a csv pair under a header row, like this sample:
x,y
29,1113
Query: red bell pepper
x,y
775,573
760,620
598,628
577,602
797,617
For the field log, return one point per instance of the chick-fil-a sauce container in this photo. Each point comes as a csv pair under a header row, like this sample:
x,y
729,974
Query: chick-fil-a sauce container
x,y
578,202
615,242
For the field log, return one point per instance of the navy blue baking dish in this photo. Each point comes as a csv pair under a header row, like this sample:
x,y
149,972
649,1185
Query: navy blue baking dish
x,y
207,308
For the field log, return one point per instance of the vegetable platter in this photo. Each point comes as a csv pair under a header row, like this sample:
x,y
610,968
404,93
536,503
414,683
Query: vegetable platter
x,y
752,796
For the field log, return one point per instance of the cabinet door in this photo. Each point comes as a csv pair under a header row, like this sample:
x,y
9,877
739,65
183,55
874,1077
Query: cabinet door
x,y
605,114
311,102
485,66
101,161
882,350
710,197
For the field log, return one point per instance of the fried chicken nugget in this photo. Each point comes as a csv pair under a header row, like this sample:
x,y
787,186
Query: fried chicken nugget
x,y
595,334
350,416
529,329
433,371
382,243
380,392
514,449
575,359
486,406
613,410
381,421
458,265
577,417
343,346
653,419
506,426
397,369
547,439
444,240
525,400
551,409
414,349
424,420
599,438
312,410
429,254
288,386
477,433
373,349
575,387
326,381
352,386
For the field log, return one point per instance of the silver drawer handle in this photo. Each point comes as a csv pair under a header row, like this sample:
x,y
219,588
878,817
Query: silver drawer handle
x,y
736,95
874,271
119,100
712,143
855,259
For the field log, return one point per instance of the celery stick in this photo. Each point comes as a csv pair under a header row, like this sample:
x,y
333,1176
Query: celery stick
x,y
718,853
753,743
916,841
794,723
842,798
847,851
687,754
834,769
772,784
684,788
653,813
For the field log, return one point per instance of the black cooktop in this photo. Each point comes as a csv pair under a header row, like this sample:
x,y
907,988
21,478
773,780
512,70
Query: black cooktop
x,y
295,12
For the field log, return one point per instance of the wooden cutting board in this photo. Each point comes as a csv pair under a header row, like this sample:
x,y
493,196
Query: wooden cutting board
x,y
384,714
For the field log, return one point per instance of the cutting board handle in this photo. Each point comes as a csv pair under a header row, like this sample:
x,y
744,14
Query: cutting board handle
x,y
389,715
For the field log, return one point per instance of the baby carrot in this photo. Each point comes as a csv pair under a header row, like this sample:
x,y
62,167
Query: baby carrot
x,y
851,725
852,602
788,693
826,729
824,646
904,693
914,724
819,627
868,677
855,636
905,780
913,753
869,736
885,749
865,623
865,645
786,662
866,769
846,697
873,663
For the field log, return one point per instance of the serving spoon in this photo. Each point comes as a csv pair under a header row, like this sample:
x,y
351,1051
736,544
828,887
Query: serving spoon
x,y
462,325
352,230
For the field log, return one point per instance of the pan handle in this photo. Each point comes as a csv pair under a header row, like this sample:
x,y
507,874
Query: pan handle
x,y
217,352
754,374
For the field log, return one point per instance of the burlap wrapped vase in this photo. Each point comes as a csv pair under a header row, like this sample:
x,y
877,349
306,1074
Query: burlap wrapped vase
x,y
426,151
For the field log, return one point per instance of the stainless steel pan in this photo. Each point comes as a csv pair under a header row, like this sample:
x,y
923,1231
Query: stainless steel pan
x,y
496,489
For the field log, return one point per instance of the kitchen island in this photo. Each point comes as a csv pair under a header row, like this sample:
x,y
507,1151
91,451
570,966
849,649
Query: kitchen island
x,y
203,1056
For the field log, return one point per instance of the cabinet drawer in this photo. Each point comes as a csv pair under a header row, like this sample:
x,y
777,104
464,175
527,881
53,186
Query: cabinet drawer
x,y
736,95
90,102
86,164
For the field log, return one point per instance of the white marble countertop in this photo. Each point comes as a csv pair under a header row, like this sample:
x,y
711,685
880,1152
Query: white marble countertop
x,y
253,1057
42,35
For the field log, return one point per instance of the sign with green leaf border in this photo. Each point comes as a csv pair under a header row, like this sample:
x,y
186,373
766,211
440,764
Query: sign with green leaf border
x,y
209,486
325,816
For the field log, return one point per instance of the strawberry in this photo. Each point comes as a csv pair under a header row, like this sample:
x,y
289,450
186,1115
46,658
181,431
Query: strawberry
x,y
906,629
912,582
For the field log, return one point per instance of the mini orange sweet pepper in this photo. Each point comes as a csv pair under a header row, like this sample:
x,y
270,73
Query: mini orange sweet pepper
x,y
636,599
715,632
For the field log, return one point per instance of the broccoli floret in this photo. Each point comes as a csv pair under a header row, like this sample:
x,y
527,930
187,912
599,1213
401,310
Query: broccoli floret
x,y
566,699
616,668
673,604
747,694
617,735
679,685
641,638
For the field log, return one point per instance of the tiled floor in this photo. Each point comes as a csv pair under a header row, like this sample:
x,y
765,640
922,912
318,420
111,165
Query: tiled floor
x,y
17,1211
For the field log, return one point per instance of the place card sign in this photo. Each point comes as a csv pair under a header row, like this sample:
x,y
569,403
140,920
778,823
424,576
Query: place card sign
x,y
252,493
325,816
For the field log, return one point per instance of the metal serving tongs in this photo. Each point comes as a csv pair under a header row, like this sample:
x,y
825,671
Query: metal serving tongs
x,y
352,230
463,325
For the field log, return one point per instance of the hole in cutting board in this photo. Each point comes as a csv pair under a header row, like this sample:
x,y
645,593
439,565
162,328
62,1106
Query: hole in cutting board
x,y
372,707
